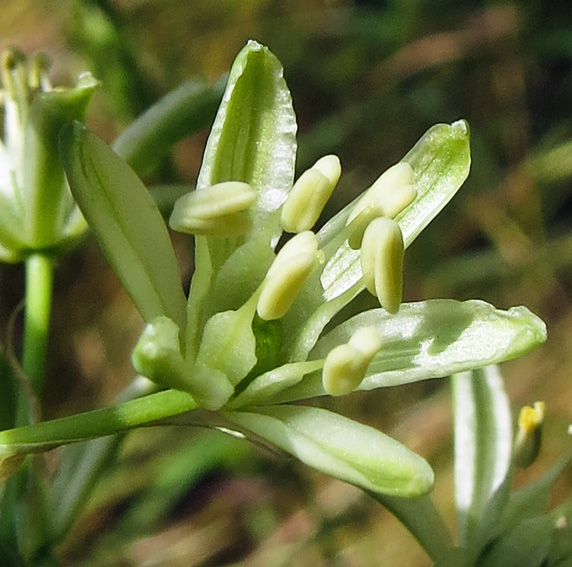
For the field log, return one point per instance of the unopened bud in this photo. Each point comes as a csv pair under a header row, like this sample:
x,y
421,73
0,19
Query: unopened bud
x,y
309,195
529,435
382,262
219,210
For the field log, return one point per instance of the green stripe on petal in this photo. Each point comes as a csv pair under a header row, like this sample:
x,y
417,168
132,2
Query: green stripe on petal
x,y
430,339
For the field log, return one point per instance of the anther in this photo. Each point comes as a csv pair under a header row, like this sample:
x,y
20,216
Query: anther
x,y
219,210
309,195
381,258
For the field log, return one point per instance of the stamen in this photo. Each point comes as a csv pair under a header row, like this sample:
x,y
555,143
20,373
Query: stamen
x,y
387,197
309,195
382,262
286,276
346,365
219,210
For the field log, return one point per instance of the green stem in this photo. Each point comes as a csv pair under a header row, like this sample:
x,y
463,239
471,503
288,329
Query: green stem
x,y
422,520
93,424
39,285
38,307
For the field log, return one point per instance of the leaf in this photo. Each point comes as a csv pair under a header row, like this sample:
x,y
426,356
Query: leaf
x,y
429,339
527,544
126,224
340,447
182,112
532,499
440,161
483,450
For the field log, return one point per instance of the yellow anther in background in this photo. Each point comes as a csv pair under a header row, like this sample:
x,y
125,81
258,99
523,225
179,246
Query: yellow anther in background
x,y
310,194
219,210
286,276
382,262
529,435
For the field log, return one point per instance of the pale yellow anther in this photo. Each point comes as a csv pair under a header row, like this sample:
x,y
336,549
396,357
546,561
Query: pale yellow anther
x,y
330,167
387,197
304,242
309,195
280,289
381,258
367,340
219,210
287,274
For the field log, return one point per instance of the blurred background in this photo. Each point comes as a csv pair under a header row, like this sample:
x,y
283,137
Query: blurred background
x,y
368,78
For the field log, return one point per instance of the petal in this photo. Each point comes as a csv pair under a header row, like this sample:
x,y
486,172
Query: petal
x,y
430,339
342,448
440,161
126,223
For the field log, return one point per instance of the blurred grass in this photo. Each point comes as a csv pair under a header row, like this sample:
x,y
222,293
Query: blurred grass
x,y
368,78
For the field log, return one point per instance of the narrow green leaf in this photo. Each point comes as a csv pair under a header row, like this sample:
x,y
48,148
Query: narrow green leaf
x,y
126,223
527,544
340,447
182,112
483,450
440,161
430,339
532,499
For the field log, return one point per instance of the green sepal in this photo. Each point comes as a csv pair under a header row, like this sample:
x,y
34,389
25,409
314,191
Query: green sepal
x,y
528,544
340,447
228,344
253,136
45,197
531,500
126,223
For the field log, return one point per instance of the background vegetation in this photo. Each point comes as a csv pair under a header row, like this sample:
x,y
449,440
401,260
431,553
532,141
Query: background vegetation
x,y
368,78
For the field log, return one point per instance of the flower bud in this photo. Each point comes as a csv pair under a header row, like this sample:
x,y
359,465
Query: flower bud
x,y
529,435
346,365
382,262
309,195
219,210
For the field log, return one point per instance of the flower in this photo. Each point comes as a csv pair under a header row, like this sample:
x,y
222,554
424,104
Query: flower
x,y
37,210
250,336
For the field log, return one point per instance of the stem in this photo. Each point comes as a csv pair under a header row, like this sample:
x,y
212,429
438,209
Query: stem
x,y
38,306
422,520
39,284
93,424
